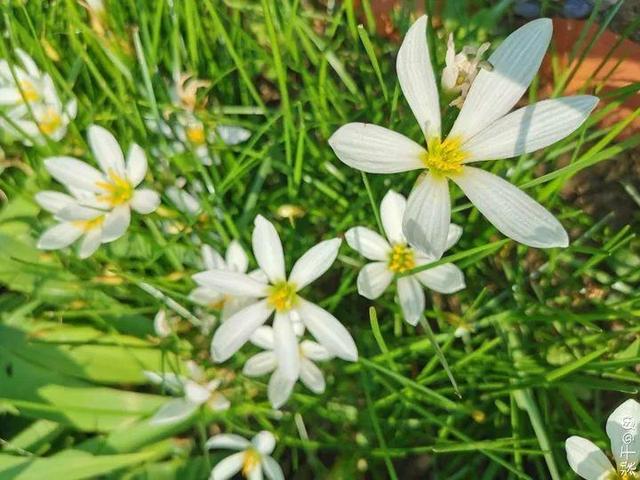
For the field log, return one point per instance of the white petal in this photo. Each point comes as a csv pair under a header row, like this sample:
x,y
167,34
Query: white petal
x,y
136,164
161,325
263,337
173,411
236,330
314,262
411,297
373,279
426,220
168,380
267,249
59,236
368,243
279,389
231,135
236,258
90,243
445,278
74,173
10,96
212,259
28,63
455,232
327,330
312,377
417,79
586,459
264,441
205,296
71,109
145,201
196,393
227,440
227,468
391,212
286,347
260,364
314,351
53,201
530,128
116,223
493,93
106,150
231,283
511,210
624,432
374,149
73,212
255,473
271,468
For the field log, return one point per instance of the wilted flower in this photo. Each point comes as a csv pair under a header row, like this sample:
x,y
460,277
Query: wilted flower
x,y
461,69
253,460
279,295
484,130
265,362
195,391
185,130
588,461
395,255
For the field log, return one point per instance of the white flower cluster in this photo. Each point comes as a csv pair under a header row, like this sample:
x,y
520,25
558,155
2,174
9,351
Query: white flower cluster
x,y
33,110
265,307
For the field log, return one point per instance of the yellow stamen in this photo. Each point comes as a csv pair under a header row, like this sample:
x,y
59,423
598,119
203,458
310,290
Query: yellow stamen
x,y
401,258
29,91
282,296
195,134
118,190
88,225
250,462
444,157
51,121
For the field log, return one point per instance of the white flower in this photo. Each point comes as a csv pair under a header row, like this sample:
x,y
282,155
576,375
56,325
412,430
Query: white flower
x,y
461,69
235,260
253,460
44,121
26,84
195,389
45,115
114,188
163,325
484,130
394,255
279,295
588,461
280,388
183,200
75,222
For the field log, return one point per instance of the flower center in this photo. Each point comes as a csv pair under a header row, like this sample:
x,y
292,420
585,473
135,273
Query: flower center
x,y
88,225
51,122
401,258
282,296
444,157
250,462
195,134
118,190
29,91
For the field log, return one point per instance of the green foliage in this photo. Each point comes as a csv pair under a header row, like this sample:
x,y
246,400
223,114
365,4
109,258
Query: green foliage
x,y
553,342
